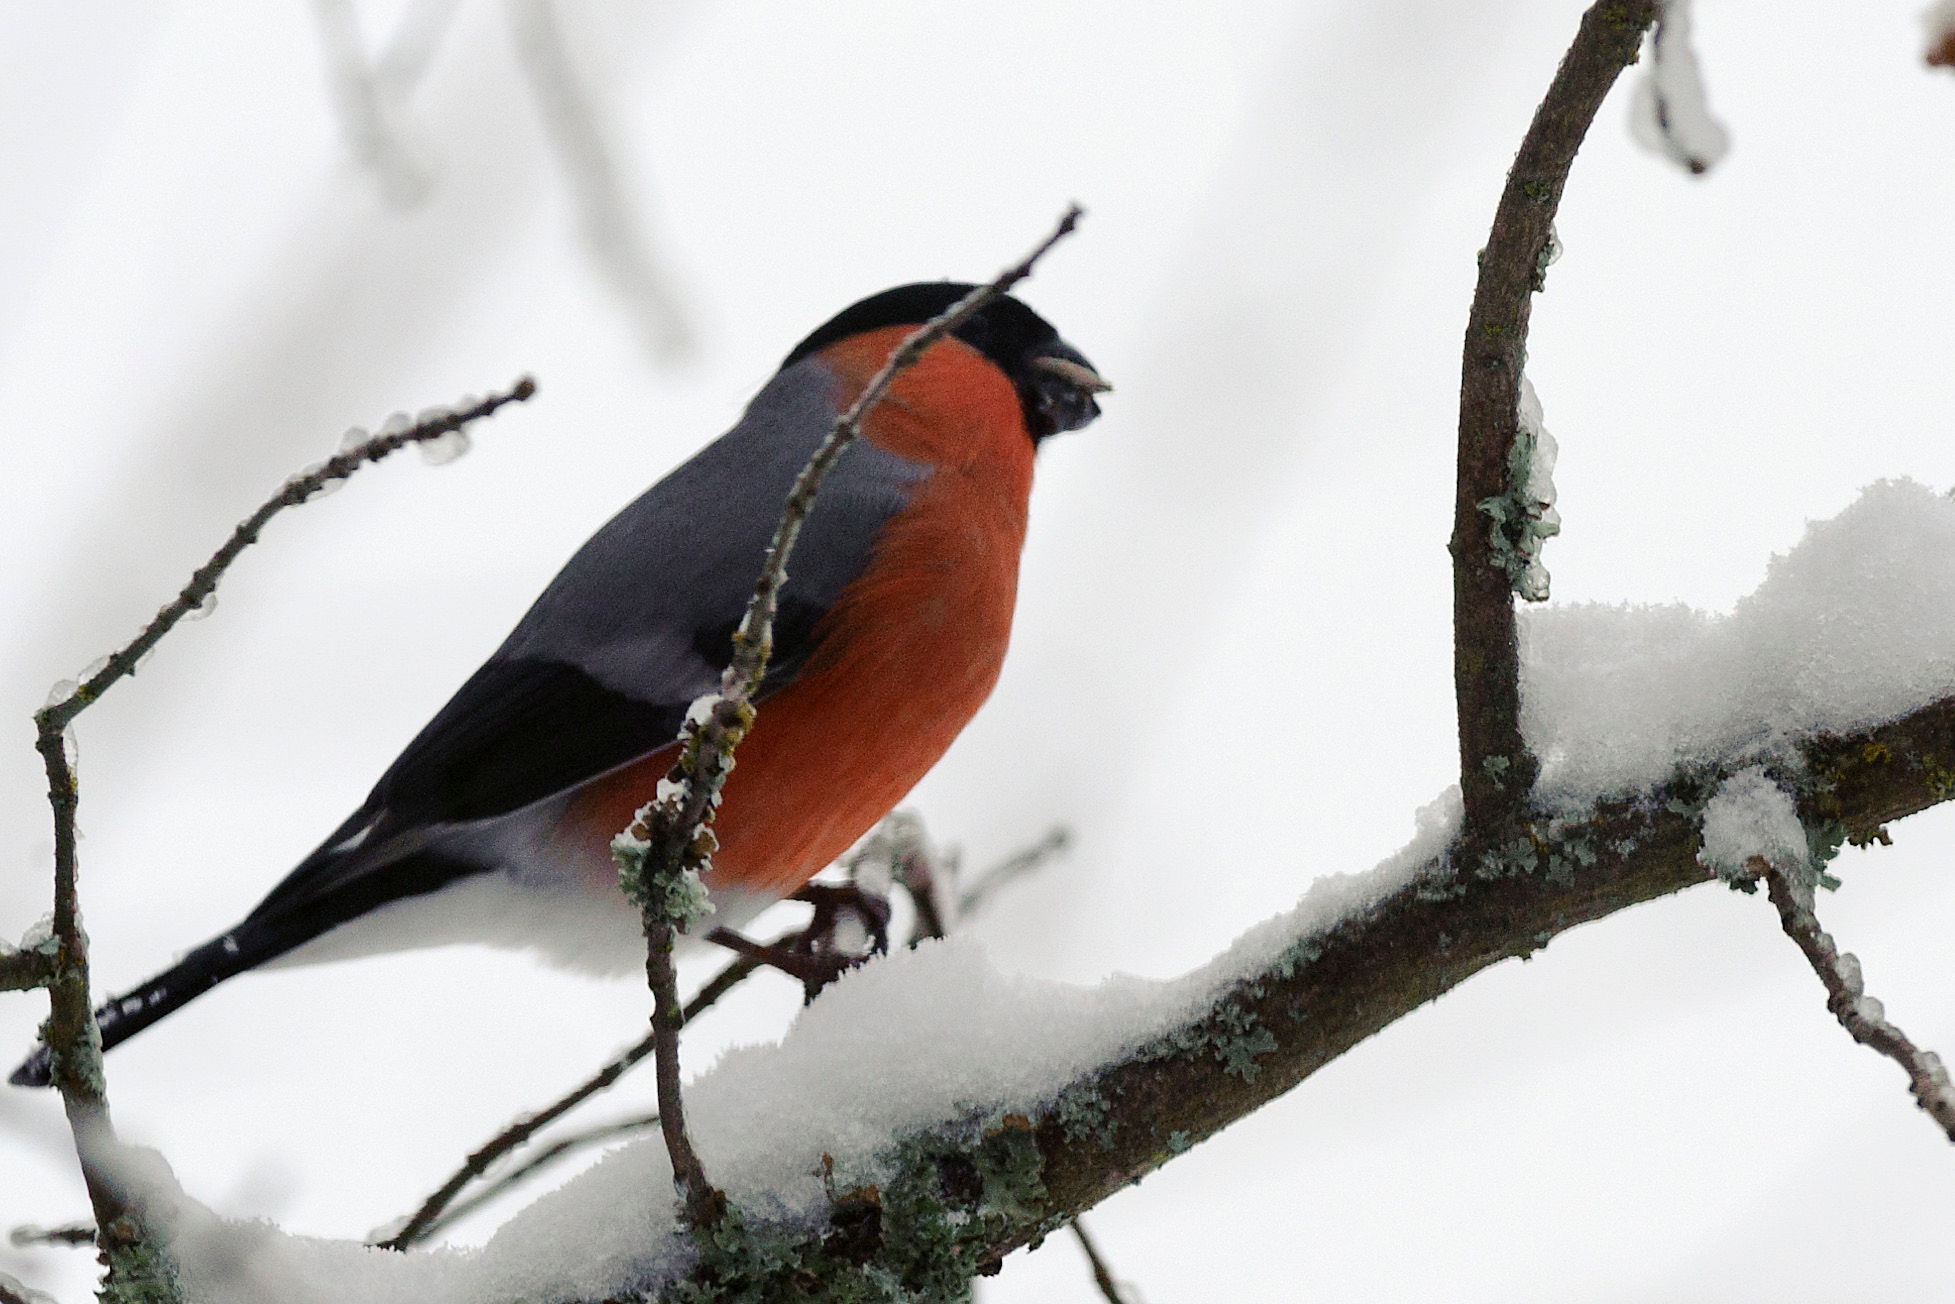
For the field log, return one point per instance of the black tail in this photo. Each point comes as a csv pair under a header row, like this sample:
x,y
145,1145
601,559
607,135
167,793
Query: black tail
x,y
285,920
198,972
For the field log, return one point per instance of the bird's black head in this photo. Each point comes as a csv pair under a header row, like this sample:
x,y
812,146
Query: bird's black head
x,y
1055,382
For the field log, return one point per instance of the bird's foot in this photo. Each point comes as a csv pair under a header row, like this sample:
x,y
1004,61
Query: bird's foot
x,y
816,956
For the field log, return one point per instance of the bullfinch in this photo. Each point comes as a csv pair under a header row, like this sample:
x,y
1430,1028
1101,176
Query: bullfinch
x,y
494,825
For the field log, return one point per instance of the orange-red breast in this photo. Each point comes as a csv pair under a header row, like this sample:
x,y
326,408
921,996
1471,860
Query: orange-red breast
x,y
494,825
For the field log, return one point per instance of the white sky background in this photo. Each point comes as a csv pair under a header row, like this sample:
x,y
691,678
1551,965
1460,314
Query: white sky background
x,y
1242,566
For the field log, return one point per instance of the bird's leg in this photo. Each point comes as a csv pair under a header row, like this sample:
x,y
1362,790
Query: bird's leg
x,y
812,956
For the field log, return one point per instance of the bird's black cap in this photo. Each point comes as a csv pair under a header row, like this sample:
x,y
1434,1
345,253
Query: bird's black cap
x,y
1004,330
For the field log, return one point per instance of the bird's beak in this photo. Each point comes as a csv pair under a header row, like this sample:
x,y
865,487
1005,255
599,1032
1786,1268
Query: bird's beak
x,y
1073,373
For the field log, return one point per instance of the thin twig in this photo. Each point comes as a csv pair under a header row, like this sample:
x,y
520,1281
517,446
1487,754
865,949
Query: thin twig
x,y
73,1039
203,581
428,1218
1846,996
1497,771
664,852
1102,1275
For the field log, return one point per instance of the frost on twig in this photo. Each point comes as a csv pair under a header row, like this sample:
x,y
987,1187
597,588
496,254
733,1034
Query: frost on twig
x,y
1669,115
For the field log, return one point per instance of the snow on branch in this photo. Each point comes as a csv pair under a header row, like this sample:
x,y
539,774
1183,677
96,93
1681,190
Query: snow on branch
x,y
1503,504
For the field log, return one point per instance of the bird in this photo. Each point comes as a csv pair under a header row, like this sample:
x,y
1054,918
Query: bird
x,y
494,824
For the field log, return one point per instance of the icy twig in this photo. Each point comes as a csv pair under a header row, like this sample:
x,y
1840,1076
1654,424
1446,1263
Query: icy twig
x,y
664,853
1497,771
613,234
1846,997
433,425
429,1217
1669,115
74,1041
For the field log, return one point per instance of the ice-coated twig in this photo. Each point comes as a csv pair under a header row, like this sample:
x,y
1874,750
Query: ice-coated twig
x,y
434,424
1497,771
613,234
429,1217
74,1041
1846,996
1670,116
664,853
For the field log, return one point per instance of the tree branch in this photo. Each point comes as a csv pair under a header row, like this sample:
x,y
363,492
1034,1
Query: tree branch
x,y
1496,769
1025,1176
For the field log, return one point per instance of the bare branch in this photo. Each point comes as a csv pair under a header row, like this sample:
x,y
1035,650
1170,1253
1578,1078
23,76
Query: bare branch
x,y
1496,769
1846,996
66,1234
